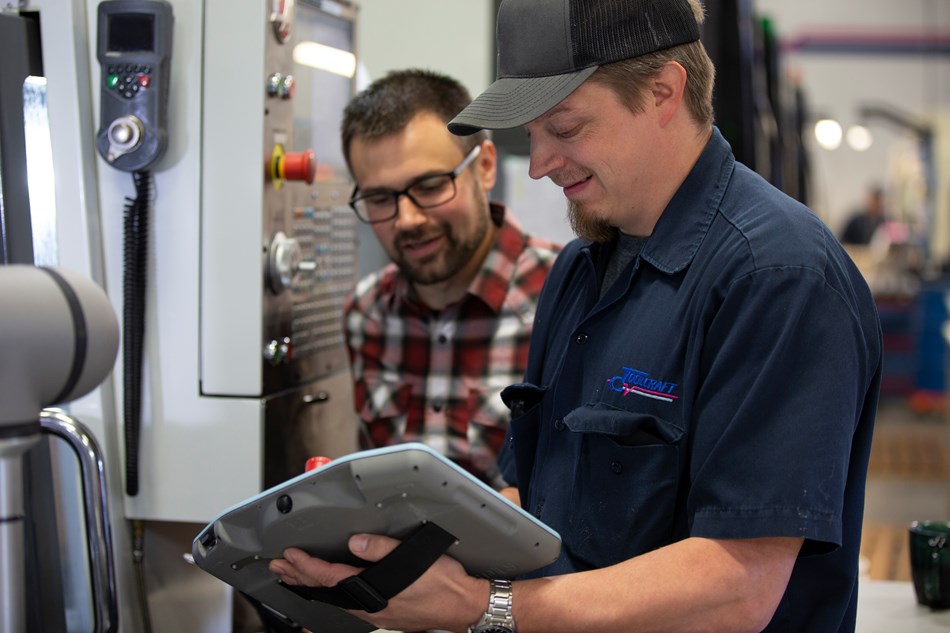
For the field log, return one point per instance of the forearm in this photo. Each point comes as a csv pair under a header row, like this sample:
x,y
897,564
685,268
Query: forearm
x,y
693,585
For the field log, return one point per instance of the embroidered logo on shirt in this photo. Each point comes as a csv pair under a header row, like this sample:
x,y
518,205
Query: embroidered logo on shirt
x,y
641,384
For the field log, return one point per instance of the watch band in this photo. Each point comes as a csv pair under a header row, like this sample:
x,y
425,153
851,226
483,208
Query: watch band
x,y
498,618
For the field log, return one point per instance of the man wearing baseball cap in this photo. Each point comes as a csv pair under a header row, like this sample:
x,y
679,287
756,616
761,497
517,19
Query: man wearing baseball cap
x,y
697,410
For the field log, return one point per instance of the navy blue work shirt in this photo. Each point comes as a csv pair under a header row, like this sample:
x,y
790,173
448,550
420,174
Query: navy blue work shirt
x,y
725,386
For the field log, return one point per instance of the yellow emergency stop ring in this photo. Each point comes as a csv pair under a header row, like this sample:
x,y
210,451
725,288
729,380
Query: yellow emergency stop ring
x,y
276,166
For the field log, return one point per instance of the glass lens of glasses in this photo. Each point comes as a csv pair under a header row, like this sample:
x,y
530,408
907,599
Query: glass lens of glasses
x,y
377,205
428,192
432,191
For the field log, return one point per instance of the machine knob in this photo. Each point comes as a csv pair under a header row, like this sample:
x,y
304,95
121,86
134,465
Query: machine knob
x,y
284,264
121,133
278,352
273,84
280,85
125,134
287,87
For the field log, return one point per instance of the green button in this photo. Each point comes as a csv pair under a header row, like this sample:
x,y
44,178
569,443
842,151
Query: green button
x,y
112,80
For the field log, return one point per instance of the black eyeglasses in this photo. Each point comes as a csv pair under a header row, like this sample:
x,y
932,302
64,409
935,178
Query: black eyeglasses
x,y
429,191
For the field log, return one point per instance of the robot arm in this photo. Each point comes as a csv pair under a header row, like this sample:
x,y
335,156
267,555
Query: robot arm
x,y
58,340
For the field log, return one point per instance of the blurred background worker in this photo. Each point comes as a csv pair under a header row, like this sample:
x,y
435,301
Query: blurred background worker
x,y
864,222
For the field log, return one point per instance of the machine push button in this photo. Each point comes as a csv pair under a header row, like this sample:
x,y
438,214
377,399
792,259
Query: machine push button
x,y
316,462
279,352
294,166
300,166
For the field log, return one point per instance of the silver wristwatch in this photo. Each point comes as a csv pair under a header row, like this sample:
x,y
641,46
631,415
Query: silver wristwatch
x,y
498,618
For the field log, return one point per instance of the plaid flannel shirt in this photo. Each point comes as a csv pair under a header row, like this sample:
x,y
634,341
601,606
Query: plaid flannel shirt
x,y
435,377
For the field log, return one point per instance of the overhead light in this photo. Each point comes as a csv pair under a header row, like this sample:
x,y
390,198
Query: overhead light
x,y
828,133
322,57
859,138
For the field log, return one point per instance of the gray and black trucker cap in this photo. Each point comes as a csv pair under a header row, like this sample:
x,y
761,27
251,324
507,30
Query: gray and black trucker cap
x,y
547,48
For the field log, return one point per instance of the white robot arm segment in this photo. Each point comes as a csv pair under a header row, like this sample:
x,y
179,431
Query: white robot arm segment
x,y
58,339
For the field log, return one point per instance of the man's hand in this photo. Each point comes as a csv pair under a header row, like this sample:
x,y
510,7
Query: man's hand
x,y
444,597
511,494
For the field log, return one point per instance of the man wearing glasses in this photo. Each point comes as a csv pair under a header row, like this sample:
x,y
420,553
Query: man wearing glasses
x,y
435,335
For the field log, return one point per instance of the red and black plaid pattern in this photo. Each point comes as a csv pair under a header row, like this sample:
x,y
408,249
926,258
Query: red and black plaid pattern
x,y
435,377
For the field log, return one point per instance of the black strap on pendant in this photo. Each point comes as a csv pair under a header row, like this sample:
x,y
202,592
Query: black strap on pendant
x,y
371,589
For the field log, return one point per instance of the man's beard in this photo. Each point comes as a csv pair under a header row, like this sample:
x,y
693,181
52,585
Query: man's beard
x,y
587,225
451,259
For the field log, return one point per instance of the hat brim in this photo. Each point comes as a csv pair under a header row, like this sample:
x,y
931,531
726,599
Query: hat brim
x,y
514,101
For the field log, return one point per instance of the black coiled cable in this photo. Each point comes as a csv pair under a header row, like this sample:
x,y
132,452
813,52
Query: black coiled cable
x,y
134,284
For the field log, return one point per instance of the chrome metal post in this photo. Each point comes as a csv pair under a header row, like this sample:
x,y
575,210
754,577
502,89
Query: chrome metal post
x,y
12,563
96,508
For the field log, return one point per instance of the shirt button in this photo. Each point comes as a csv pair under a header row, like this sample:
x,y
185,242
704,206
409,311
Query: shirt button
x,y
559,425
442,339
437,406
616,467
581,338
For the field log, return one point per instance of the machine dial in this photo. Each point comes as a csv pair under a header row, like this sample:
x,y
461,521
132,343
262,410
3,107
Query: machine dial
x,y
125,135
284,264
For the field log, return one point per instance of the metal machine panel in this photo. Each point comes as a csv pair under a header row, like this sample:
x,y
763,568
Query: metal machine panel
x,y
232,279
210,305
273,321
190,447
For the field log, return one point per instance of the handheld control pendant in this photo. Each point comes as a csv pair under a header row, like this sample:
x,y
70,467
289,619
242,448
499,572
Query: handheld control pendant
x,y
134,52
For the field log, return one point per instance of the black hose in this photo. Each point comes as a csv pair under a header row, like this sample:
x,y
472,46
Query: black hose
x,y
133,314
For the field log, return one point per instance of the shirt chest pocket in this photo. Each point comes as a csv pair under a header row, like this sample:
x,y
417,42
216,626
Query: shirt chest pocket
x,y
625,484
384,409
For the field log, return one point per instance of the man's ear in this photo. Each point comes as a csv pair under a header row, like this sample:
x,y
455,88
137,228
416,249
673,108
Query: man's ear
x,y
667,89
487,165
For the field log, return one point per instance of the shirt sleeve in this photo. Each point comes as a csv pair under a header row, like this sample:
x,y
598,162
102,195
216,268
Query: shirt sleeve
x,y
784,373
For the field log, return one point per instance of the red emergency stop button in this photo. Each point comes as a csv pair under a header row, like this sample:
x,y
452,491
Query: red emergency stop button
x,y
316,462
299,166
